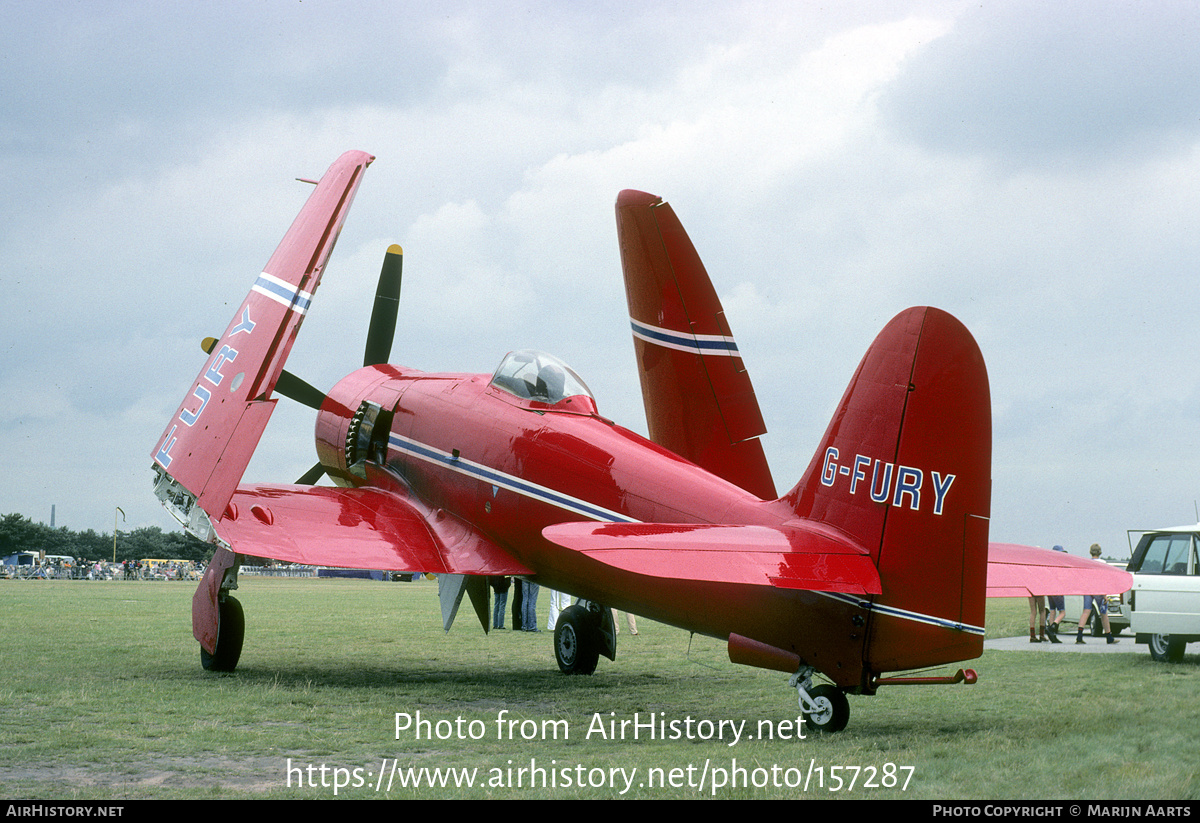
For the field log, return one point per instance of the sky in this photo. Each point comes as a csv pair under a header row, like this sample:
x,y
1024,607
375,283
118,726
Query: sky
x,y
1029,167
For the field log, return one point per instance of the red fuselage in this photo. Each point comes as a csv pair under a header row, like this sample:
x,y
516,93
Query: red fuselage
x,y
511,466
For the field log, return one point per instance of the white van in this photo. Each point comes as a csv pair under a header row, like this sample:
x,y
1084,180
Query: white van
x,y
1164,602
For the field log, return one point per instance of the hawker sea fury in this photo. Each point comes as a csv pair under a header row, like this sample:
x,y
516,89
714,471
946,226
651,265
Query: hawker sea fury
x,y
876,562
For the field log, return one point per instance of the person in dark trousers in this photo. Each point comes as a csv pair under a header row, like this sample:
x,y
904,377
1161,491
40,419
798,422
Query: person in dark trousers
x,y
1100,601
518,603
1055,611
499,584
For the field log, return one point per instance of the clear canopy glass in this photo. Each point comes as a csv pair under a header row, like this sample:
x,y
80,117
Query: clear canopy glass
x,y
535,375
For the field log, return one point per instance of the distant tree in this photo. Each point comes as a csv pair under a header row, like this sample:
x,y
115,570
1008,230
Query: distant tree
x,y
15,532
92,545
186,547
19,534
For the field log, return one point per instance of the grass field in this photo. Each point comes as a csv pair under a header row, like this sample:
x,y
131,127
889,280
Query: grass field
x,y
104,698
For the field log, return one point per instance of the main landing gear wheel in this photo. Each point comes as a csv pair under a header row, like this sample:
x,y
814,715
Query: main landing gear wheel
x,y
832,710
576,641
1166,649
231,630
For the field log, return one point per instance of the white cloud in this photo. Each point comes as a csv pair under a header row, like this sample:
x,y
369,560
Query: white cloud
x,y
832,166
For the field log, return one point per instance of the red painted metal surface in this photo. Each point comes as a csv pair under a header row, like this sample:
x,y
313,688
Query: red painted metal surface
x,y
210,438
1022,571
876,561
699,400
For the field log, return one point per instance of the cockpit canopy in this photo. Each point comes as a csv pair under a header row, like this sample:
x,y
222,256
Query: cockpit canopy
x,y
544,379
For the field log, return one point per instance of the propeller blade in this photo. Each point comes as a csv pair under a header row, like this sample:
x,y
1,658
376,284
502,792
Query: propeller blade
x,y
311,476
292,387
289,385
387,305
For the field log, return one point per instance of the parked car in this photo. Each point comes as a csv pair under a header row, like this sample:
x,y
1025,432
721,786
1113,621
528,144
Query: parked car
x,y
1164,603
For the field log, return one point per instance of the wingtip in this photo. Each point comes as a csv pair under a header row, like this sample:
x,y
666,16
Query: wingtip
x,y
355,155
632,198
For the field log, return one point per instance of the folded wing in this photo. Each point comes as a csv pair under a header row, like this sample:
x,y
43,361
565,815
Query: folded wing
x,y
1025,571
699,401
201,456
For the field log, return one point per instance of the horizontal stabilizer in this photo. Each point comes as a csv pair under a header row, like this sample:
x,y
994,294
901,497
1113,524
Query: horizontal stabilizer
x,y
1024,571
353,528
794,556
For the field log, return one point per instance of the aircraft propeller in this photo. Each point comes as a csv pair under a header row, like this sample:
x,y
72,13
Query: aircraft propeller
x,y
289,385
387,304
380,334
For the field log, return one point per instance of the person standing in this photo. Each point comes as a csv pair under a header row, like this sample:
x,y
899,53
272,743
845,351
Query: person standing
x,y
629,618
518,607
558,602
529,598
1100,602
1056,610
1037,619
499,585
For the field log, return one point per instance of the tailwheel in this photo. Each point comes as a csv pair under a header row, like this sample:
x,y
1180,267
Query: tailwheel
x,y
577,641
825,707
231,631
831,712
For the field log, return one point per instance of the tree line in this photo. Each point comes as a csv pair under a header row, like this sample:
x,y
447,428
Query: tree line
x,y
19,534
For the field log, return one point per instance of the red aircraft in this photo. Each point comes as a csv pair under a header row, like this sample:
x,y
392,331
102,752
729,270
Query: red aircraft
x,y
875,563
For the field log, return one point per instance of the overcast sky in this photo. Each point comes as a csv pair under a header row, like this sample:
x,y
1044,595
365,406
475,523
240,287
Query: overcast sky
x,y
1030,167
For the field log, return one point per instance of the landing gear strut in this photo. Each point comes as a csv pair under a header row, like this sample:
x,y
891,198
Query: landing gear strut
x,y
825,708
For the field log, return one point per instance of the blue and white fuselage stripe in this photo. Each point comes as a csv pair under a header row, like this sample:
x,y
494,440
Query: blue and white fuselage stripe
x,y
507,481
905,614
583,508
685,341
282,292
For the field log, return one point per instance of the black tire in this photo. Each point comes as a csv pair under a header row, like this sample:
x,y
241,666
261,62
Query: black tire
x,y
576,641
1097,625
231,631
1166,649
833,710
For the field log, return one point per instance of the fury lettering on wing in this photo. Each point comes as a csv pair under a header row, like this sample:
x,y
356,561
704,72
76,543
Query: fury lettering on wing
x,y
213,376
888,483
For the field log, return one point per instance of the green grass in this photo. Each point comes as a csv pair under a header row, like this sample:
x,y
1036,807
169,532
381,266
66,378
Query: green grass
x,y
104,698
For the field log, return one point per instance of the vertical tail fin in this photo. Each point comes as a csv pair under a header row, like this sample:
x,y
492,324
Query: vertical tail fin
x,y
698,397
905,469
